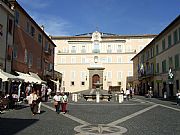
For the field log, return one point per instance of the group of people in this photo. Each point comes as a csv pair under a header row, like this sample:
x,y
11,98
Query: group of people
x,y
35,96
128,94
34,100
60,99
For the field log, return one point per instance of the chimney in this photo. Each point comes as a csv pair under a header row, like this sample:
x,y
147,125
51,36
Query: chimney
x,y
42,27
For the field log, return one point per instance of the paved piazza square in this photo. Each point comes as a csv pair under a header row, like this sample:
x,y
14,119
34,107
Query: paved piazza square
x,y
138,116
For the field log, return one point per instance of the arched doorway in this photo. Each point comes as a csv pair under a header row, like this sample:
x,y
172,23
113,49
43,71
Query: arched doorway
x,y
95,79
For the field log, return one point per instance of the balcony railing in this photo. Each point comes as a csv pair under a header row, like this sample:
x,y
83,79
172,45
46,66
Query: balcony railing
x,y
96,51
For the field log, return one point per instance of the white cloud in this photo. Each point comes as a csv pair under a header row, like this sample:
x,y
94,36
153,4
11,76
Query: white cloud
x,y
34,3
53,25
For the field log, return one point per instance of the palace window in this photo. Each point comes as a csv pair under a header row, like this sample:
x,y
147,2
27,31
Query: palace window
x,y
15,52
32,31
10,27
163,44
96,47
119,59
163,66
157,49
175,35
169,41
95,59
72,83
73,59
119,49
177,61
17,17
73,49
119,75
83,50
157,67
27,27
40,38
109,50
83,83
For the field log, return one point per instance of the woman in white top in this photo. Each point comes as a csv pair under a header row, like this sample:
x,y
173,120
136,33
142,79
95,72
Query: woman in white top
x,y
32,102
57,99
64,100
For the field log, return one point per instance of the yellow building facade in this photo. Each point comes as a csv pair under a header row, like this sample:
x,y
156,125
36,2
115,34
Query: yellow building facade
x,y
158,64
96,57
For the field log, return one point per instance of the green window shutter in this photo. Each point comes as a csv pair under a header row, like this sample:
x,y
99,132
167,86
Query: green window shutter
x,y
164,66
163,44
175,36
169,40
157,67
157,49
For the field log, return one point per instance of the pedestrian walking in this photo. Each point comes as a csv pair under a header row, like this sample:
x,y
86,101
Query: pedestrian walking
x,y
150,93
131,94
127,93
64,100
32,101
57,99
178,97
39,100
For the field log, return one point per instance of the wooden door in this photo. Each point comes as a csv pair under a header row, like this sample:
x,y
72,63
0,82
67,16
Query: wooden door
x,y
95,79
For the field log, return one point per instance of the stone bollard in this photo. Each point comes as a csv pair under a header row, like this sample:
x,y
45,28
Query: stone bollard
x,y
165,95
116,97
72,97
75,97
97,97
121,98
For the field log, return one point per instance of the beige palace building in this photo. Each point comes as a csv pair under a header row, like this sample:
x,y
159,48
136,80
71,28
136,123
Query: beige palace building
x,y
96,57
158,64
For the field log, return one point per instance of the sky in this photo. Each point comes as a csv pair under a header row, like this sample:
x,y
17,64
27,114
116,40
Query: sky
x,y
123,17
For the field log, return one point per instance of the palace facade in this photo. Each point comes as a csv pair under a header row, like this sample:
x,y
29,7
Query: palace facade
x,y
96,57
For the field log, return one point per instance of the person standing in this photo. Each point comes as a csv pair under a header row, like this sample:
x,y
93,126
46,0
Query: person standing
x,y
39,101
127,93
131,93
57,99
32,101
28,90
178,97
64,100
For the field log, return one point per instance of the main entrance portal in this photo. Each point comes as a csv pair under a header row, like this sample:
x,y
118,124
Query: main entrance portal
x,y
95,79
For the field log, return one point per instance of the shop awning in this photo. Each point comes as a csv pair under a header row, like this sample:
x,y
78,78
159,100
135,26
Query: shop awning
x,y
30,78
7,76
36,76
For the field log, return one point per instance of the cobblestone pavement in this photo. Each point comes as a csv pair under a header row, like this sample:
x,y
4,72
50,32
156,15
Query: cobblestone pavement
x,y
138,116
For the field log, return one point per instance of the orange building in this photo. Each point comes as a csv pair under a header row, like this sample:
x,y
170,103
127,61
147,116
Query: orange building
x,y
33,50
